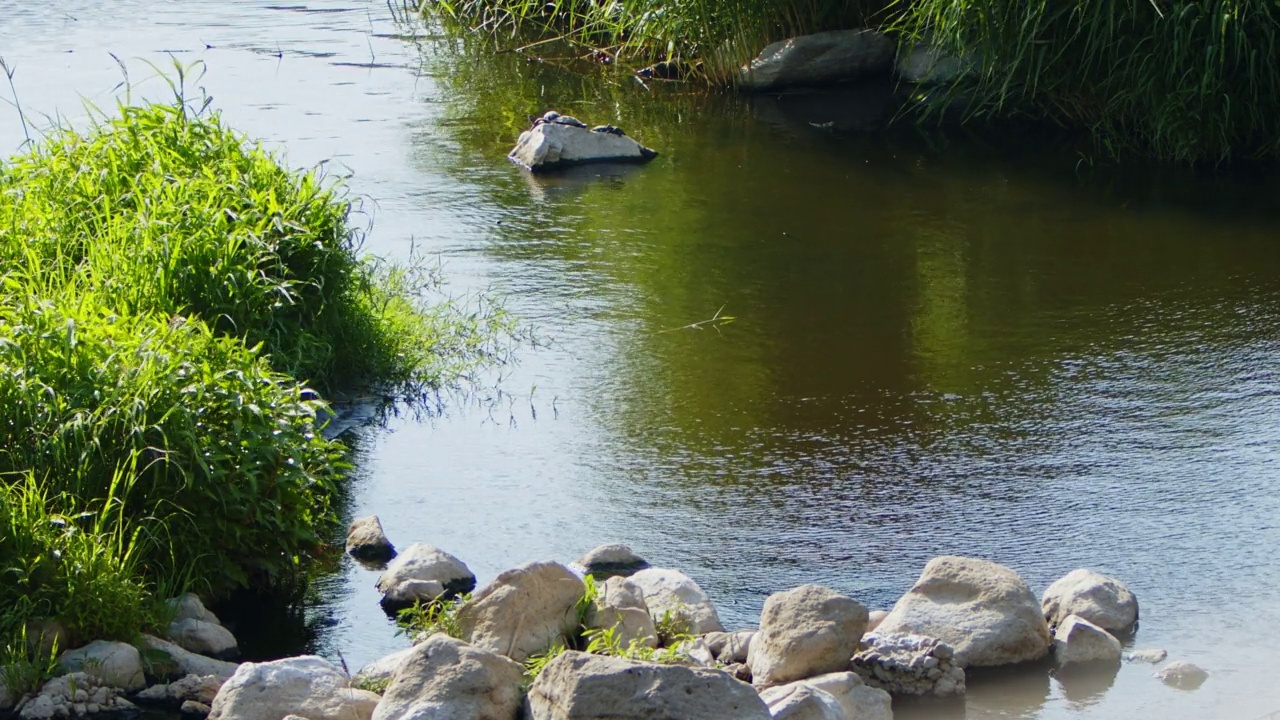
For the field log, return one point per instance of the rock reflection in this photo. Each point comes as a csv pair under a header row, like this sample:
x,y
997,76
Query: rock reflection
x,y
1084,685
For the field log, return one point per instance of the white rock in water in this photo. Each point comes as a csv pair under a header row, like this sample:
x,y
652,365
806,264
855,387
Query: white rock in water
x,y
610,560
367,541
1077,640
1146,656
1182,674
423,572
818,59
671,591
550,145
1101,600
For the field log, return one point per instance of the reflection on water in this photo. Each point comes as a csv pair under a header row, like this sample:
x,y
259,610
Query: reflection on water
x,y
962,345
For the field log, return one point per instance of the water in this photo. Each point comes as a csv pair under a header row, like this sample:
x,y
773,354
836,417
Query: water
x,y
968,347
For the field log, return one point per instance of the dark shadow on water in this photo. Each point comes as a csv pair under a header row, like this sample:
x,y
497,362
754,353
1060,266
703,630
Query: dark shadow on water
x,y
571,181
1085,685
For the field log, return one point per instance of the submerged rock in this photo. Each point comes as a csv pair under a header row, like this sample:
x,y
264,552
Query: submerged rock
x,y
909,665
1077,640
1103,601
620,606
524,610
578,686
983,610
367,541
116,664
671,592
609,561
423,573
808,631
818,59
307,685
557,141
444,677
77,695
1182,675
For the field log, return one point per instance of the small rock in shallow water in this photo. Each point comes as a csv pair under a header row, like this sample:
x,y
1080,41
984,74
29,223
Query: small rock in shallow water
x,y
611,560
554,144
367,541
427,563
1146,656
1077,640
1182,675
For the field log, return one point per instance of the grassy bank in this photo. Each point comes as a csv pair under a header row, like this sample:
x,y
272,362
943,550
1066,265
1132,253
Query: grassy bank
x,y
172,298
1175,80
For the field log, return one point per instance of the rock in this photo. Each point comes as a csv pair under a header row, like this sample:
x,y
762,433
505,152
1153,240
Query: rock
x,y
698,653
367,541
620,605
805,632
115,664
46,635
189,688
7,697
672,592
166,659
307,685
1101,600
924,64
1183,675
858,700
874,618
909,665
578,686
189,606
798,701
1077,640
551,145
741,671
523,611
204,638
730,648
444,677
1146,656
983,610
70,696
195,709
380,671
819,59
609,561
430,565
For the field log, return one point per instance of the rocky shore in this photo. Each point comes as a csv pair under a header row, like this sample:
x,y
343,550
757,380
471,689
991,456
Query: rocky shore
x,y
610,636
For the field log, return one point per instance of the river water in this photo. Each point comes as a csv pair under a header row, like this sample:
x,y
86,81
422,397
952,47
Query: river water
x,y
956,346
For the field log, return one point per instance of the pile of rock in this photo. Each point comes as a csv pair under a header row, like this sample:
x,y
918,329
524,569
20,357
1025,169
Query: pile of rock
x,y
909,665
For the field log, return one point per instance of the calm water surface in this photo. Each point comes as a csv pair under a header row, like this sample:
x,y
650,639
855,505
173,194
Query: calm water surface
x,y
937,348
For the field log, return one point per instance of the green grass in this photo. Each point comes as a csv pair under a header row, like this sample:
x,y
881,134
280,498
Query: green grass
x,y
171,296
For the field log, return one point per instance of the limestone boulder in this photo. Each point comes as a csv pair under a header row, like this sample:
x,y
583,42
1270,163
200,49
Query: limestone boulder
x,y
189,606
611,560
874,618
115,664
672,592
380,671
578,686
1101,600
77,694
367,541
620,605
203,638
1077,640
798,701
169,660
552,145
730,648
808,631
1182,675
524,610
983,610
423,573
191,688
444,677
858,700
308,686
924,64
904,665
819,59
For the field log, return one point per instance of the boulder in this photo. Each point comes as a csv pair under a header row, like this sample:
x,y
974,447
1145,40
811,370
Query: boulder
x,y
380,671
307,685
909,665
203,638
1101,600
423,573
620,605
523,611
730,648
859,700
1077,640
798,701
609,561
7,697
1183,675
923,64
808,631
75,695
190,688
698,652
444,677
1146,656
552,144
196,710
188,606
116,664
819,59
983,610
674,593
367,541
578,686
874,618
166,659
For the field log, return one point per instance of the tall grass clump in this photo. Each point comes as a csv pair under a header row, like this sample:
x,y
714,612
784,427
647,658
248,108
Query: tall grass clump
x,y
1181,80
